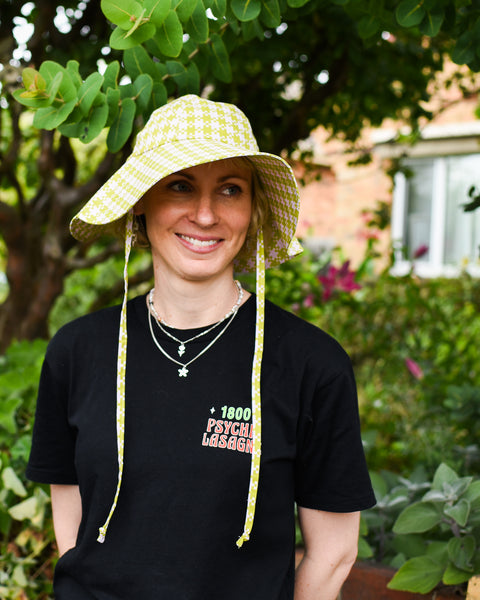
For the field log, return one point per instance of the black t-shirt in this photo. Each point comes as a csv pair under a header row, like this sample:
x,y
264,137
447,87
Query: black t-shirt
x,y
187,458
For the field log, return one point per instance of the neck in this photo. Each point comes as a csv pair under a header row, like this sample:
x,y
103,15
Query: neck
x,y
190,304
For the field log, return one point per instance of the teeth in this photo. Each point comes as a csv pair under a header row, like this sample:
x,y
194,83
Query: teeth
x,y
196,242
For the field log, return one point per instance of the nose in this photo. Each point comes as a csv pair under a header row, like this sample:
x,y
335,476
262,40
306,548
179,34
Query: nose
x,y
204,212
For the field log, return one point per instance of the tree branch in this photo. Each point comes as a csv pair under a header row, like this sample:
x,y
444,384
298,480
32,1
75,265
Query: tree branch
x,y
116,290
76,263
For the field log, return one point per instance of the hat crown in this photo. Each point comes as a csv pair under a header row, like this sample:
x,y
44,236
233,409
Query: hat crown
x,y
193,118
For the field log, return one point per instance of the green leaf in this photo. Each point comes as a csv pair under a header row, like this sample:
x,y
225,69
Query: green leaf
x,y
270,13
159,94
218,8
251,30
143,85
246,10
220,63
19,577
409,544
157,10
364,549
122,126
410,13
89,128
420,574
443,474
472,493
459,512
88,92
33,99
184,8
51,117
121,40
110,77
123,13
113,103
32,80
432,23
193,79
417,518
178,74
72,69
368,26
197,24
12,482
59,82
299,3
8,412
138,61
170,36
461,551
24,510
454,576
464,51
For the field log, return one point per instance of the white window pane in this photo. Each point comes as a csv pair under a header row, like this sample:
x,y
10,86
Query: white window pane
x,y
419,207
462,232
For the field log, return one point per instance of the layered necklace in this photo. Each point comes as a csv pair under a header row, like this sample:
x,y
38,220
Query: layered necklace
x,y
183,370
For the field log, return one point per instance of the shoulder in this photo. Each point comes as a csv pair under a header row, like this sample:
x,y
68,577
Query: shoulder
x,y
94,330
306,341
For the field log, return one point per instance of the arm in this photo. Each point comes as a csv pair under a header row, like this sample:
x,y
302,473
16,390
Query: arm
x,y
67,514
331,541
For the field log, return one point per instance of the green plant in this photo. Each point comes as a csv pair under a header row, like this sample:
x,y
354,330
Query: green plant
x,y
440,533
26,534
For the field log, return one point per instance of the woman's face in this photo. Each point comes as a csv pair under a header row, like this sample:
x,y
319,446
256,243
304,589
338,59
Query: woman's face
x,y
197,219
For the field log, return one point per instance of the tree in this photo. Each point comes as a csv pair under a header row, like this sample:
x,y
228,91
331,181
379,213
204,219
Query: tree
x,y
291,65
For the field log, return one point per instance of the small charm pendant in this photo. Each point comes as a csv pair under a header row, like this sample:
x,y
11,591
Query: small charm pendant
x,y
183,372
181,349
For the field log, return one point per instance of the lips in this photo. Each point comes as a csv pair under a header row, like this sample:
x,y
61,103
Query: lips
x,y
197,242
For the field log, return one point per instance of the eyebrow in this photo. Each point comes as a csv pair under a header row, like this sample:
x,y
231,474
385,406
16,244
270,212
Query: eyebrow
x,y
221,179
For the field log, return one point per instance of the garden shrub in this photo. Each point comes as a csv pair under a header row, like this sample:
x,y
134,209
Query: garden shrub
x,y
26,535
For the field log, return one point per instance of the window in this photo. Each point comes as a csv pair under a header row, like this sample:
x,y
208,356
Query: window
x,y
429,225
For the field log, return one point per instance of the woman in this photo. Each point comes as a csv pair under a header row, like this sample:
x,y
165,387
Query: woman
x,y
175,421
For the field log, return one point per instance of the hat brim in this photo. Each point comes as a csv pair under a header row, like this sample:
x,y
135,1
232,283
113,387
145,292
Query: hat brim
x,y
104,213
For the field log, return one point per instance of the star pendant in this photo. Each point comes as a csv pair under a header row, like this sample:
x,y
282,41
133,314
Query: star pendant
x,y
183,372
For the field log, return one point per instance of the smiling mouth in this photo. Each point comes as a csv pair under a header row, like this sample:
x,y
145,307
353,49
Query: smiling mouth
x,y
197,242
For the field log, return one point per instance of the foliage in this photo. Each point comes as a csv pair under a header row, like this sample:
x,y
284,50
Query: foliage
x,y
428,529
173,48
94,77
447,521
26,535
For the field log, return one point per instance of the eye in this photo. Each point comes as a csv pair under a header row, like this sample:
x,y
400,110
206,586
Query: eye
x,y
180,185
231,190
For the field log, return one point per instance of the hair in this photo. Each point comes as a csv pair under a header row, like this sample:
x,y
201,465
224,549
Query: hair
x,y
260,206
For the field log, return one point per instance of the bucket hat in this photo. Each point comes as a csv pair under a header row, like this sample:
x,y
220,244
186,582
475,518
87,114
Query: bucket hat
x,y
187,132
190,131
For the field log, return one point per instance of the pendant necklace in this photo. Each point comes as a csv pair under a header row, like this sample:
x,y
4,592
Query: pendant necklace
x,y
183,371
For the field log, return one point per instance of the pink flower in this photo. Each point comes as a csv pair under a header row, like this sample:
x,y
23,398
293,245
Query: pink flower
x,y
342,279
420,251
308,301
414,368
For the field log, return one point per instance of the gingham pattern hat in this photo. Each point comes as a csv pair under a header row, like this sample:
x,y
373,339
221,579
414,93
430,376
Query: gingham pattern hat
x,y
186,132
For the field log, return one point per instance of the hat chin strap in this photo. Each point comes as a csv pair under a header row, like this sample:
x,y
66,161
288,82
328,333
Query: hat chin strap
x,y
121,373
256,400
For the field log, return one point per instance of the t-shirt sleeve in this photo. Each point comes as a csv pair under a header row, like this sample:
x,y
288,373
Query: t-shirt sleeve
x,y
53,441
331,471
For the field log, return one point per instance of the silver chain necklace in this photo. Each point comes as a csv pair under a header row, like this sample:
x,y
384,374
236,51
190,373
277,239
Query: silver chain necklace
x,y
182,344
183,371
